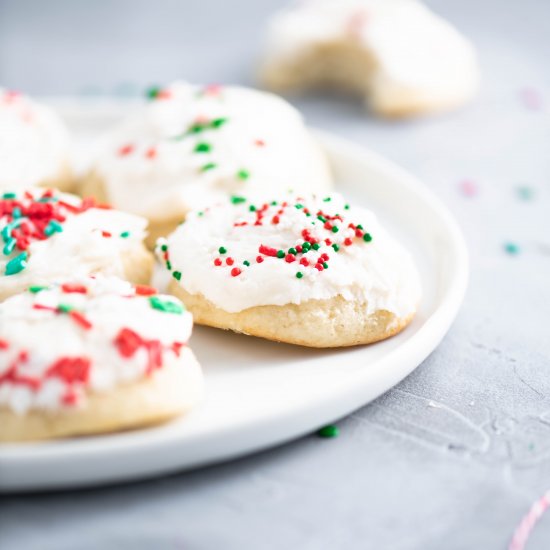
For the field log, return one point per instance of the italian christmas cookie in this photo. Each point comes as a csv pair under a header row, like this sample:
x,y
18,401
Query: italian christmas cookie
x,y
93,355
34,144
191,145
47,235
402,57
311,270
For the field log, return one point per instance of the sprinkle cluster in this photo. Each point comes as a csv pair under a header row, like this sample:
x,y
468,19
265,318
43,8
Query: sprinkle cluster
x,y
35,216
74,371
322,235
199,131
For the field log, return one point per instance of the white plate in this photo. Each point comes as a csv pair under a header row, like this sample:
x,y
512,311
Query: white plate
x,y
261,393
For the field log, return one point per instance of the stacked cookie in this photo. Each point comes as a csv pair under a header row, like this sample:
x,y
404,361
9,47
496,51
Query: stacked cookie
x,y
237,197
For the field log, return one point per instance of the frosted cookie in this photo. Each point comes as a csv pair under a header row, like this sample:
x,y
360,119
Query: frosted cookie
x,y
311,271
47,235
34,144
402,57
192,145
93,355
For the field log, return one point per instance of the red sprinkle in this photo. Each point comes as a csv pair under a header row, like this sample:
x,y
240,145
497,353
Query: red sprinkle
x,y
70,369
70,397
259,259
151,153
230,261
289,258
267,250
235,272
80,319
69,288
218,262
125,150
347,241
145,290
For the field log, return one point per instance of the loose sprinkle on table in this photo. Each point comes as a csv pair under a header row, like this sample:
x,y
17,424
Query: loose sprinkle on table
x,y
329,432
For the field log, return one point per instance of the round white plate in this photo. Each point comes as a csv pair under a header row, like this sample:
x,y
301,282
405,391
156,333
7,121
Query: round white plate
x,y
261,393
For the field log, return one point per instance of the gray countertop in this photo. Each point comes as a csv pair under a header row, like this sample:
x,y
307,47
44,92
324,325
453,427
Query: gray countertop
x,y
454,456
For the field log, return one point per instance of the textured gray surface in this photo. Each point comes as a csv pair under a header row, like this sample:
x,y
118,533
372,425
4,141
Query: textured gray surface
x,y
451,458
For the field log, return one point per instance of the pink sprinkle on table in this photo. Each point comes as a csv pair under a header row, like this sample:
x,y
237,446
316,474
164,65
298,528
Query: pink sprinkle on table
x,y
531,98
468,188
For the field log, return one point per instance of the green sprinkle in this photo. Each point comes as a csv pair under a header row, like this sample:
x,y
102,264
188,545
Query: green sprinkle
x,y
367,237
152,92
306,245
53,227
243,174
16,212
203,148
252,208
10,245
525,193
325,265
125,234
327,199
65,308
308,214
237,200
164,247
208,166
511,248
329,432
298,206
169,265
176,275
246,263
346,207
222,250
273,203
6,232
299,275
36,289
336,247
196,128
359,226
315,246
292,251
322,218
335,229
47,199
9,195
200,214
280,253
166,306
17,264
217,122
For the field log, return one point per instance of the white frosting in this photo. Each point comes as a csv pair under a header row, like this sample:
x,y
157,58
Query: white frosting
x,y
110,305
34,143
379,273
261,134
415,50
79,249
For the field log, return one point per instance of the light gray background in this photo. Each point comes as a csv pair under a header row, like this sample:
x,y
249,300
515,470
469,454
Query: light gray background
x,y
404,474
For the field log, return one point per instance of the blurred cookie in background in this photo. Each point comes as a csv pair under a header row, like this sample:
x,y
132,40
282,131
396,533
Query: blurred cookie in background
x,y
191,145
34,144
404,59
